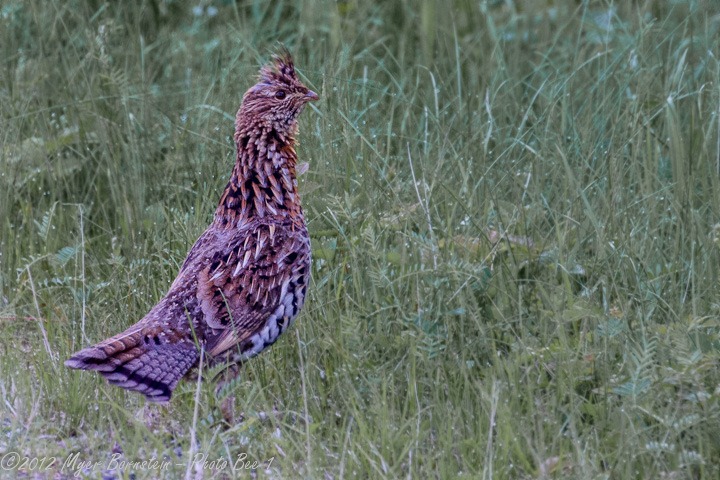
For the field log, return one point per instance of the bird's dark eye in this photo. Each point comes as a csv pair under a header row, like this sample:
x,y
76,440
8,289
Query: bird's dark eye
x,y
280,94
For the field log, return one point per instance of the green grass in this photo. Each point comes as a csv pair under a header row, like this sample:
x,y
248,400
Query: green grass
x,y
427,348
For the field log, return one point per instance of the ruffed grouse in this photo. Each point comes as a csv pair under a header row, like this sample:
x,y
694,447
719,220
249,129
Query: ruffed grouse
x,y
244,281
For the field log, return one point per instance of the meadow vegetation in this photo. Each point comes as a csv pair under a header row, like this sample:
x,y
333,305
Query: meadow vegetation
x,y
515,216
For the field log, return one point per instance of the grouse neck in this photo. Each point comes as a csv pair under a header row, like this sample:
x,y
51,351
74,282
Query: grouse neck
x,y
263,182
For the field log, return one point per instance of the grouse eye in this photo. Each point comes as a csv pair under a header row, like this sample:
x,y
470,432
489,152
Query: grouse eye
x,y
280,94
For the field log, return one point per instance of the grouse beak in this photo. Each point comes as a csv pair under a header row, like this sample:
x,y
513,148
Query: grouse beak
x,y
311,96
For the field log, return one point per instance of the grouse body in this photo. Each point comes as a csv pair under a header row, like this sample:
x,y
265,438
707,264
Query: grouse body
x,y
245,279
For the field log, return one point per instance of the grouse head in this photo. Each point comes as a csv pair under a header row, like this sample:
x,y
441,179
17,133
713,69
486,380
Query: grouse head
x,y
275,102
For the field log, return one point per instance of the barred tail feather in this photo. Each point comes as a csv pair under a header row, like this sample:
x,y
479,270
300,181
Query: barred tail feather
x,y
132,361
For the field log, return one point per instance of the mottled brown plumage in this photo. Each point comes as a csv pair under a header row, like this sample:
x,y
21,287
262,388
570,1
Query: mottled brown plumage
x,y
244,281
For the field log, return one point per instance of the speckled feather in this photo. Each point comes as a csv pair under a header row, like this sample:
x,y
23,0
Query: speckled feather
x,y
244,281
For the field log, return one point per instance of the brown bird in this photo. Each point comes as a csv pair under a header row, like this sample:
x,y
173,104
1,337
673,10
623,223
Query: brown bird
x,y
244,281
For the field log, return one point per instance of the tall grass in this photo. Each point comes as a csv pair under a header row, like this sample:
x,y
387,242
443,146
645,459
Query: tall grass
x,y
515,217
